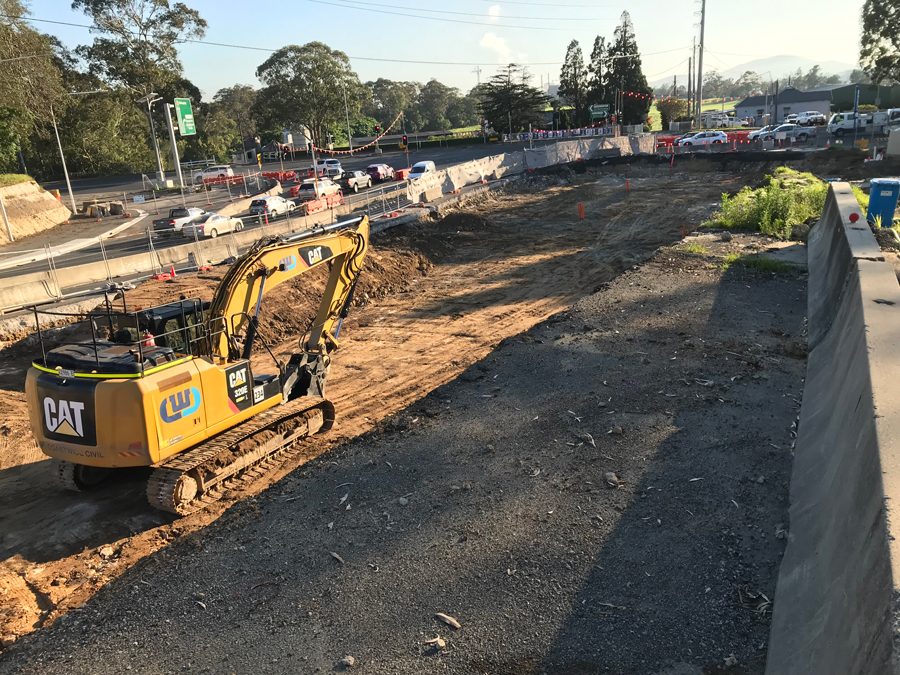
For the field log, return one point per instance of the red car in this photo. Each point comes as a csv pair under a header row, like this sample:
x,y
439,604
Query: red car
x,y
380,172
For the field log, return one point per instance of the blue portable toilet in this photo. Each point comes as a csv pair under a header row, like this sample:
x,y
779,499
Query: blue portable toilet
x,y
883,195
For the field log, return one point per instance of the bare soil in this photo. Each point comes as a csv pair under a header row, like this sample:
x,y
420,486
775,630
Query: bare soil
x,y
435,299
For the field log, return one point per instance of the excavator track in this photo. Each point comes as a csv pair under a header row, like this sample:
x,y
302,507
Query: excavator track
x,y
193,479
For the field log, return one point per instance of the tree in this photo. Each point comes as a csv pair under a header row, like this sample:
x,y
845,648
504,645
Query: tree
x,y
573,81
626,74
389,99
509,102
859,76
306,85
237,104
463,112
596,81
670,110
136,46
434,99
880,51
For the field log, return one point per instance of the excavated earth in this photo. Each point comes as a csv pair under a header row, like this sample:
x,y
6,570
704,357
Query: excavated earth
x,y
571,440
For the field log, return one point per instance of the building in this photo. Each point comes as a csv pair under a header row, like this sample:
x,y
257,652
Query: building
x,y
843,96
768,109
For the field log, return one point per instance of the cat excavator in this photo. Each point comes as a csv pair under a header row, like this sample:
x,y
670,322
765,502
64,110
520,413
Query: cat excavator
x,y
172,386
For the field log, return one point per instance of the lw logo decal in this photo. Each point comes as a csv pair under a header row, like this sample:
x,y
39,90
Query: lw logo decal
x,y
180,405
288,263
64,417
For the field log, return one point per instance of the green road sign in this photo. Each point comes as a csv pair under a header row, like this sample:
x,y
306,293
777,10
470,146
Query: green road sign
x,y
599,112
185,117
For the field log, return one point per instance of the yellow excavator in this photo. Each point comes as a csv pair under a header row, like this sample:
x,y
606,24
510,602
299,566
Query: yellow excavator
x,y
172,386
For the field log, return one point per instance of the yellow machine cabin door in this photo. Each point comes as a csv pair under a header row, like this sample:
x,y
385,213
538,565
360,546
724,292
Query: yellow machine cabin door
x,y
178,406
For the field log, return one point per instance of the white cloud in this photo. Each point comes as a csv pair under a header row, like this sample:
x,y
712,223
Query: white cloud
x,y
498,45
494,12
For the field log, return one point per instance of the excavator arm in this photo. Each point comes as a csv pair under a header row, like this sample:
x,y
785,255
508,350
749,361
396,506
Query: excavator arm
x,y
271,261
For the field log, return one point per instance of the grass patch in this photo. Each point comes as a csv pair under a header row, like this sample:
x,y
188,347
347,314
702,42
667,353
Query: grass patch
x,y
786,198
7,179
862,198
695,247
756,262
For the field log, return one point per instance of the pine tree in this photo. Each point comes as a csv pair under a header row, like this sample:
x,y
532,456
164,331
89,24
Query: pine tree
x,y
509,103
596,81
880,51
625,74
573,82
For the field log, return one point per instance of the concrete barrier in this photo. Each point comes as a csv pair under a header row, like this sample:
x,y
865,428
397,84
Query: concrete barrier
x,y
833,606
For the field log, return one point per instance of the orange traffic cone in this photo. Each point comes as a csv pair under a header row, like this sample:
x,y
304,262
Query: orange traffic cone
x,y
172,271
828,143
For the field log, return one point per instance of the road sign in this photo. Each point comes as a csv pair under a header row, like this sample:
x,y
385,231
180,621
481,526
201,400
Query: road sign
x,y
185,117
139,199
599,112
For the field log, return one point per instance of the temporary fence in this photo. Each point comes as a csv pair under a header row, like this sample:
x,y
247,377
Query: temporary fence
x,y
541,135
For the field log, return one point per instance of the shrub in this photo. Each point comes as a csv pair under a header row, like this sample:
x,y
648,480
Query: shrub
x,y
786,198
756,262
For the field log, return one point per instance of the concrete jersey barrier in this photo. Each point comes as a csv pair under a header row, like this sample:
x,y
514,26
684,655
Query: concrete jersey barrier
x,y
833,605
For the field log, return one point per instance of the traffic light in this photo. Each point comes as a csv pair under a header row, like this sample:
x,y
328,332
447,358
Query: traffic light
x,y
377,129
404,139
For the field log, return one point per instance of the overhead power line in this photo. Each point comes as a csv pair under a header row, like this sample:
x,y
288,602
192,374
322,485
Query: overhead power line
x,y
269,50
483,16
406,15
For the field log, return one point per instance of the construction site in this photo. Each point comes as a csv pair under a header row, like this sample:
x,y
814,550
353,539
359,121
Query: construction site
x,y
565,419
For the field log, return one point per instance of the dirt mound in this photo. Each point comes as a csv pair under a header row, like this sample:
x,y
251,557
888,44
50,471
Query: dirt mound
x,y
465,221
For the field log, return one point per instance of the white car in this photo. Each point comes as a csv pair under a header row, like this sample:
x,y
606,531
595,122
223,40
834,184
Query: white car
x,y
704,138
329,167
213,172
272,207
307,189
212,225
419,169
810,117
759,134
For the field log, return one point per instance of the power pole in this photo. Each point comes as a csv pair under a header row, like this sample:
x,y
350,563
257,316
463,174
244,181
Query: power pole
x,y
700,59
692,66
690,87
477,71
675,86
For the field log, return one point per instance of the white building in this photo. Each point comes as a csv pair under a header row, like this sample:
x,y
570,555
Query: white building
x,y
768,109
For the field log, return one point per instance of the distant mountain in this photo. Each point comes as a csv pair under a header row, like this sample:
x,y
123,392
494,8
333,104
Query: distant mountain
x,y
779,66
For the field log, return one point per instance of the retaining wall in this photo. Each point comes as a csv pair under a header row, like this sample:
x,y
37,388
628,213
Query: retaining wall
x,y
30,210
833,606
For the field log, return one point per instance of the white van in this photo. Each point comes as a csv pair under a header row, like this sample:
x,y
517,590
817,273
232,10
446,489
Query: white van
x,y
846,122
419,169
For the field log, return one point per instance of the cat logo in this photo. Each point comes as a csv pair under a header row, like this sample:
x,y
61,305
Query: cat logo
x,y
237,377
179,405
288,263
314,255
64,417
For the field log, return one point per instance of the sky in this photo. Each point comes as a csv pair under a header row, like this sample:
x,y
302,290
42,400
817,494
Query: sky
x,y
487,33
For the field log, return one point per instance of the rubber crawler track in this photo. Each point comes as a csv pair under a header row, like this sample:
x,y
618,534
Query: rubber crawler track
x,y
163,488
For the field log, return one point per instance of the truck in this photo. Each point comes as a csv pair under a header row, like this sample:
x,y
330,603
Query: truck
x,y
846,122
176,220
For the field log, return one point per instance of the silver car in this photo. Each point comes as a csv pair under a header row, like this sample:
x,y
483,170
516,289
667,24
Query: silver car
x,y
212,225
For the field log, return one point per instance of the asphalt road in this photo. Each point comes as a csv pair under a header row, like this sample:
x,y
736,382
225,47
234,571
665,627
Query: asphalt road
x,y
89,187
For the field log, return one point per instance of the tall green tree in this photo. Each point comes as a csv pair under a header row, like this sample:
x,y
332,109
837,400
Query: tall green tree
x,y
880,45
596,86
389,99
306,85
434,99
463,111
509,103
237,104
136,42
625,73
573,82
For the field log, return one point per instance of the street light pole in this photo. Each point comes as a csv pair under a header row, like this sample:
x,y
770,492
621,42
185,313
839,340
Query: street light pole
x,y
149,100
63,158
347,113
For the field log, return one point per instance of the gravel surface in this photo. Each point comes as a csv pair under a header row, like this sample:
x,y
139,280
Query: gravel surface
x,y
606,492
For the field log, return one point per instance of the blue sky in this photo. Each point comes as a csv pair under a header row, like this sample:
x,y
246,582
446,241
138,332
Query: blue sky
x,y
497,34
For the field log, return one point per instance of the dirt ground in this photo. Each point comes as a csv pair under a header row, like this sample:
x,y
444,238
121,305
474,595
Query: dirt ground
x,y
436,299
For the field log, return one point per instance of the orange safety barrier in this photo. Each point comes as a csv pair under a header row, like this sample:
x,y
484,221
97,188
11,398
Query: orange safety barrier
x,y
314,206
401,174
280,176
334,200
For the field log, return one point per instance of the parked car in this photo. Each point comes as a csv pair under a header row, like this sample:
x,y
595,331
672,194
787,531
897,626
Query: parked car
x,y
271,206
419,169
354,180
177,219
307,189
380,172
704,138
684,137
810,117
212,225
213,172
789,131
791,119
760,133
329,167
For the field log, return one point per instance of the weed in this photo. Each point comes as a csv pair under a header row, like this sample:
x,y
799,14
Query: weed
x,y
786,198
7,179
695,247
756,262
862,198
